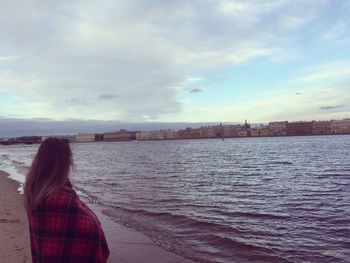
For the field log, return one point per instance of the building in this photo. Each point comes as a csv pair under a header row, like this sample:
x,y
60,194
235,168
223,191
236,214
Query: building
x,y
144,136
70,138
188,133
278,128
86,137
231,131
122,135
299,128
340,127
151,135
208,132
260,132
321,127
24,140
170,135
243,133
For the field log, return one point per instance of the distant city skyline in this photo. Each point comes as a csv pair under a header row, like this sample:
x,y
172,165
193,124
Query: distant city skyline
x,y
11,128
93,64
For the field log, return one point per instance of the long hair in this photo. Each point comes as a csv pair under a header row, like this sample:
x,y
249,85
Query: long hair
x,y
48,173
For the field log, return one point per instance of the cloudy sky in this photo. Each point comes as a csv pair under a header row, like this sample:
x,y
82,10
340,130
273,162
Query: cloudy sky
x,y
175,61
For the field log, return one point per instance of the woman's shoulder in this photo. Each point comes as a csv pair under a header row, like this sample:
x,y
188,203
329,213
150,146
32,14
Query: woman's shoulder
x,y
63,197
67,206
69,199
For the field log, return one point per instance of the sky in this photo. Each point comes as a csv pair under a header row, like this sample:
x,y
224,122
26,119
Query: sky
x,y
174,61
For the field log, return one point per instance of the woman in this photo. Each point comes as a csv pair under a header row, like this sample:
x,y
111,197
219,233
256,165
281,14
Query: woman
x,y
62,228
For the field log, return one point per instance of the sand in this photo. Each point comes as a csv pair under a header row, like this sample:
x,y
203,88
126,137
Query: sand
x,y
130,246
14,232
126,245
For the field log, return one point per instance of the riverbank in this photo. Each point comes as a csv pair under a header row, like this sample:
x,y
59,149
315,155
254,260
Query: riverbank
x,y
126,245
129,246
14,233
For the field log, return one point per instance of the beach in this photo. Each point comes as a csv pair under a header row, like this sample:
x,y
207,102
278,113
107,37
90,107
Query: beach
x,y
14,233
126,245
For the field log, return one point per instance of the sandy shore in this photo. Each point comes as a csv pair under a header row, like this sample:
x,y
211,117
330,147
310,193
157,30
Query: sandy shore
x,y
14,232
130,246
126,245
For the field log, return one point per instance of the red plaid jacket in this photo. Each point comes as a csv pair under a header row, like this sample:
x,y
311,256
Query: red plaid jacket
x,y
65,230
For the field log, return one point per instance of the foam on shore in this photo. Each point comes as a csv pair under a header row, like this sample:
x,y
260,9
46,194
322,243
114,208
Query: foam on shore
x,y
13,171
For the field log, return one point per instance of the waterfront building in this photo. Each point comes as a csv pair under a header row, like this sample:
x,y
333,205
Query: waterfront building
x,y
122,135
188,133
4,141
259,132
70,138
208,132
340,126
321,127
231,131
170,135
151,135
144,136
160,135
278,128
139,136
243,133
299,128
85,137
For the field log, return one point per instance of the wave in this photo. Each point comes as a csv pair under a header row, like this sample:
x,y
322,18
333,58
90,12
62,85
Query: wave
x,y
257,215
280,162
248,251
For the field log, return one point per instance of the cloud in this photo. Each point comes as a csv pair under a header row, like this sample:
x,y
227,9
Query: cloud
x,y
8,58
327,71
106,96
331,107
72,100
278,105
196,90
193,79
57,57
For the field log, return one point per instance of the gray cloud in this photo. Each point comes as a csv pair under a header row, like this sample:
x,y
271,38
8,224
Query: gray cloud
x,y
196,90
328,107
71,100
106,96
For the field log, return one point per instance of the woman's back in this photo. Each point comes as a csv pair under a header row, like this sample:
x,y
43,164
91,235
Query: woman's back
x,y
62,228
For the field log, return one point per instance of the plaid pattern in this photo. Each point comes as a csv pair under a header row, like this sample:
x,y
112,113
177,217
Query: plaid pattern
x,y
65,230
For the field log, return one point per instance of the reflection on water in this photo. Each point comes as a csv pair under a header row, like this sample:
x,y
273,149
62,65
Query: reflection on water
x,y
239,200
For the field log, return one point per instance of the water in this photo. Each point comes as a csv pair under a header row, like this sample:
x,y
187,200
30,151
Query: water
x,y
240,200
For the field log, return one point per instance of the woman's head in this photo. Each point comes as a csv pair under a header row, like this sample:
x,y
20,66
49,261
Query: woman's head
x,y
48,173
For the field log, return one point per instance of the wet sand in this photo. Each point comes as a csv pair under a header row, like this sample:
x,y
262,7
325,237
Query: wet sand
x,y
126,245
130,246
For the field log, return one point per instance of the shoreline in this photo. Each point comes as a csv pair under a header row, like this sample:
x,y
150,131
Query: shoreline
x,y
126,245
14,237
130,246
